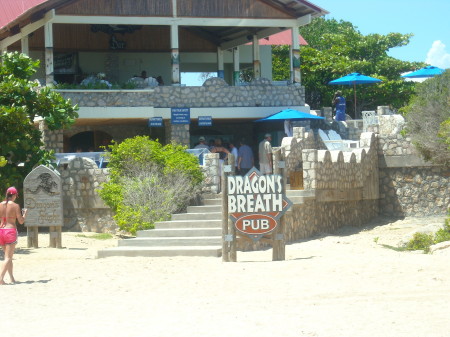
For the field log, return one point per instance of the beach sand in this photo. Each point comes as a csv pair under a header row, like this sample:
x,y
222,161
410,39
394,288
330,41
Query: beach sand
x,y
341,284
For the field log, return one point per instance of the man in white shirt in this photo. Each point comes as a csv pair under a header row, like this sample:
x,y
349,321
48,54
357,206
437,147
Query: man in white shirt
x,y
265,155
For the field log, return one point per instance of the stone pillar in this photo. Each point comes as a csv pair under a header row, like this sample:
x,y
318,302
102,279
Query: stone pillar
x,y
383,110
53,140
112,67
25,45
48,35
296,77
256,58
220,64
180,134
309,158
236,66
328,114
175,57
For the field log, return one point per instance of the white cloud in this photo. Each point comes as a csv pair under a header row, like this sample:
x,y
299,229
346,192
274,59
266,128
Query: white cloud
x,y
438,56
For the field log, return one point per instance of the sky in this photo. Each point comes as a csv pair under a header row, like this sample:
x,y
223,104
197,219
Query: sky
x,y
429,21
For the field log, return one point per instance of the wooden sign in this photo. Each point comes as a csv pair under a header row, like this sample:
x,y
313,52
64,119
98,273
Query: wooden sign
x,y
256,203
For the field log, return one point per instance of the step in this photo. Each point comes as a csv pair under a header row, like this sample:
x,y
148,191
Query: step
x,y
172,241
205,251
189,224
177,232
204,209
208,202
196,216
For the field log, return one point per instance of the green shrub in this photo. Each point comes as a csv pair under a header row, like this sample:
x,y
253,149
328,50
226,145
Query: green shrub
x,y
148,182
420,241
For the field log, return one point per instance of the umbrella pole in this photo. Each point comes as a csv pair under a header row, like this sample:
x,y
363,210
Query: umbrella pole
x,y
354,90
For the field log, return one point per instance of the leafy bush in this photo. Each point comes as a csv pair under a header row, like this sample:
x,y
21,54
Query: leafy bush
x,y
22,101
428,119
148,182
422,241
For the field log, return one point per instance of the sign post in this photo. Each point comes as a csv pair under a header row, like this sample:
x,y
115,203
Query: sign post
x,y
256,204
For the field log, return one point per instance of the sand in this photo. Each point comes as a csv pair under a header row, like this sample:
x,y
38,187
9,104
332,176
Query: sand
x,y
340,284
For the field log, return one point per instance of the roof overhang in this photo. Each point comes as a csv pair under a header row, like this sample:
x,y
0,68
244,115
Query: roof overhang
x,y
224,32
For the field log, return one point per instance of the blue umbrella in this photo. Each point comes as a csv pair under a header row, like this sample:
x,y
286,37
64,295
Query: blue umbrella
x,y
426,72
289,114
354,79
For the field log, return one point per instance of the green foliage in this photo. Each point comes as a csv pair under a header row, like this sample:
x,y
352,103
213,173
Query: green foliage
x,y
428,119
423,241
21,102
337,48
420,241
148,181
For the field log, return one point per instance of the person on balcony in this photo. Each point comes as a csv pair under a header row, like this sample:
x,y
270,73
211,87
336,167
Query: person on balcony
x,y
339,104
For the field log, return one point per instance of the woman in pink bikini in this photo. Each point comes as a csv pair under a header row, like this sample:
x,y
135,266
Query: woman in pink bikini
x,y
9,213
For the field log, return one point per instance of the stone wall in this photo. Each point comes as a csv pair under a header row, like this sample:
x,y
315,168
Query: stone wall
x,y
409,186
215,92
83,208
414,191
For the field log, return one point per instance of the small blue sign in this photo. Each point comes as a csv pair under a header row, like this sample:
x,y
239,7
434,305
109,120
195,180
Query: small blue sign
x,y
155,122
204,121
180,115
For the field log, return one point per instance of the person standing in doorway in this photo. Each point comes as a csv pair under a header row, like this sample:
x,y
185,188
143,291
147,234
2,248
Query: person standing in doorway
x,y
265,155
9,213
245,158
339,104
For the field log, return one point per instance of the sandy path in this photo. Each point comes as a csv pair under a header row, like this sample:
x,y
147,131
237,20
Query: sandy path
x,y
334,285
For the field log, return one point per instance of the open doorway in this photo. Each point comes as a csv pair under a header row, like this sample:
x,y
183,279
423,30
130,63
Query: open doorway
x,y
89,141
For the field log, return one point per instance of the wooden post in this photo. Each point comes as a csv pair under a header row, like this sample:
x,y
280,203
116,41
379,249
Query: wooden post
x,y
256,58
220,63
175,54
48,35
296,78
32,237
231,228
236,66
51,232
278,242
225,242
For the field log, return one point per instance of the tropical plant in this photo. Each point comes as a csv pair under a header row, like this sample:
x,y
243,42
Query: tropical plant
x,y
337,48
22,103
428,119
148,182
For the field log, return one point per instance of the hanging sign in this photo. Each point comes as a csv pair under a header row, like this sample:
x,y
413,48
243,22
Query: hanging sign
x,y
256,203
155,122
204,121
180,115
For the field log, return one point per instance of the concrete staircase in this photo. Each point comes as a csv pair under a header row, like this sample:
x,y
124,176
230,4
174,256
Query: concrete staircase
x,y
195,233
198,232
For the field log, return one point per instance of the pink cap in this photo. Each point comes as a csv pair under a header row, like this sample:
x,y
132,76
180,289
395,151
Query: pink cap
x,y
11,190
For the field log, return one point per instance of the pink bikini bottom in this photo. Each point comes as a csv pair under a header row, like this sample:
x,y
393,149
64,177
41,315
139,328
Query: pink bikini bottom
x,y
8,236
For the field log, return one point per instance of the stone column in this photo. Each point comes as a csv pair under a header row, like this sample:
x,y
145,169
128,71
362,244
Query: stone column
x,y
296,77
256,58
236,70
48,35
53,140
175,57
180,134
328,114
309,158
